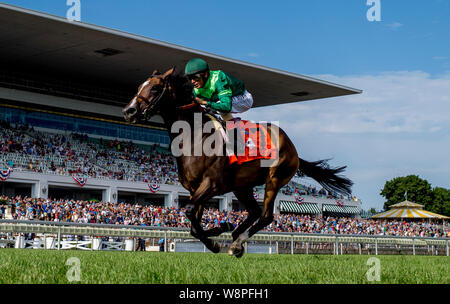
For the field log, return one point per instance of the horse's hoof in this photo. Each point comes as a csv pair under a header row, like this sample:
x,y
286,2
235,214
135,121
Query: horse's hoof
x,y
237,252
240,254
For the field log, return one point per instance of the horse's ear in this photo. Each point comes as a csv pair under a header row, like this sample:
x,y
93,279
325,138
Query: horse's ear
x,y
155,72
169,73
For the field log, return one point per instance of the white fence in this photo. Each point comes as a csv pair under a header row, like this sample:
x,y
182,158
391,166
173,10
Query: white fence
x,y
62,236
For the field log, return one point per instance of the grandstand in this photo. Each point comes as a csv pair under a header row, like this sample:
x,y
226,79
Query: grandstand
x,y
62,87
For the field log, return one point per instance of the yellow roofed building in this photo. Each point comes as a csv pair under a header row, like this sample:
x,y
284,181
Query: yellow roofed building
x,y
408,210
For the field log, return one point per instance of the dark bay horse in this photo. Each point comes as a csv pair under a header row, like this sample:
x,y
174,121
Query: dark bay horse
x,y
206,176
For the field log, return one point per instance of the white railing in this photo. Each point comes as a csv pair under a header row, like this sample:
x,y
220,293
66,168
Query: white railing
x,y
52,234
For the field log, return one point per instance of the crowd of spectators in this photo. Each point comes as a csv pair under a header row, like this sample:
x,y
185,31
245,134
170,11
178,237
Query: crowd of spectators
x,y
151,215
343,225
299,189
77,154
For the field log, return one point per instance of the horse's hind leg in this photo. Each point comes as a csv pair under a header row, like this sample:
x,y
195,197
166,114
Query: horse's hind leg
x,y
265,218
273,185
196,229
245,196
216,231
278,177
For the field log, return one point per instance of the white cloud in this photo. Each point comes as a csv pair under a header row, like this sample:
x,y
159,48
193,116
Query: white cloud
x,y
390,103
398,126
394,25
254,55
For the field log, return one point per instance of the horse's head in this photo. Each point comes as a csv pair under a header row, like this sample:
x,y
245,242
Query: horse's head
x,y
149,97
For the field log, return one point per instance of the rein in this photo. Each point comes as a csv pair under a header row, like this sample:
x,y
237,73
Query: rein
x,y
188,106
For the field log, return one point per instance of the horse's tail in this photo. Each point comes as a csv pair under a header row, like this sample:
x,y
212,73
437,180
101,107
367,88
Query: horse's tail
x,y
327,177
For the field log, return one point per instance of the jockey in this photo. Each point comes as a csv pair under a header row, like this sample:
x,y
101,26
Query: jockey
x,y
217,90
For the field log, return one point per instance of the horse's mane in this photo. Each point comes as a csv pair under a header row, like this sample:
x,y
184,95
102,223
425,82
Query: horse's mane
x,y
184,89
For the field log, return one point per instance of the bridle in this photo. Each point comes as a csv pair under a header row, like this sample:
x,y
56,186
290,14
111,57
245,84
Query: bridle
x,y
151,103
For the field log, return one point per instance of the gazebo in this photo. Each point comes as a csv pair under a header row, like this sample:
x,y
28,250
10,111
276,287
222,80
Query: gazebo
x,y
408,210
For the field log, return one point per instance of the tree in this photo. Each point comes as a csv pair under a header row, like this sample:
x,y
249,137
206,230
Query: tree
x,y
441,201
410,187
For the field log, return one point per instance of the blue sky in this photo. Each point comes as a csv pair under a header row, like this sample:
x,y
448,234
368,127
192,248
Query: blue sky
x,y
398,126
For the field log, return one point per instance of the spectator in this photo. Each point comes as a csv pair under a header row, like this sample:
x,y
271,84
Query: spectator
x,y
141,244
156,216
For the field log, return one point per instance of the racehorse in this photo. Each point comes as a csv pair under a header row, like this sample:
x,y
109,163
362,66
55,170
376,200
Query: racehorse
x,y
206,176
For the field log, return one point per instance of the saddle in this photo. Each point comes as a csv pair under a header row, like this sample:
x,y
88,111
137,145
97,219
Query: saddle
x,y
249,140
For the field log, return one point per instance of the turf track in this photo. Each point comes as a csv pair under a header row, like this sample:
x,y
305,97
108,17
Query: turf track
x,y
45,266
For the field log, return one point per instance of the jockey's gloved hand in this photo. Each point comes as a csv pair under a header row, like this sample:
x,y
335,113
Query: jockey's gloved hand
x,y
201,101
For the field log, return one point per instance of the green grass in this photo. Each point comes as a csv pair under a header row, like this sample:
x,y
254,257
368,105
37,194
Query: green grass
x,y
19,266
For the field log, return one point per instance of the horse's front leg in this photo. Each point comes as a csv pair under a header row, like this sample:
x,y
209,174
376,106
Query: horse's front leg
x,y
194,212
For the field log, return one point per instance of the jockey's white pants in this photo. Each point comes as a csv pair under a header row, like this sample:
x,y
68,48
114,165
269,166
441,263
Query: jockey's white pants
x,y
239,104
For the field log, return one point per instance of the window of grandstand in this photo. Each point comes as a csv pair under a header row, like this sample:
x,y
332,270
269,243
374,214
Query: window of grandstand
x,y
81,125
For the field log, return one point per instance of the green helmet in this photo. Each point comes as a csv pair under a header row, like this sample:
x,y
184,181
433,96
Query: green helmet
x,y
195,66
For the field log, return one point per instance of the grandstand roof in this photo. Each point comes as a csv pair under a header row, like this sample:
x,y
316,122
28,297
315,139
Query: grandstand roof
x,y
79,49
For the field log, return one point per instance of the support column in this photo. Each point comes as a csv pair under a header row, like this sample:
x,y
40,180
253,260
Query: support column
x,y
276,206
171,199
40,189
226,203
292,244
110,195
336,245
19,241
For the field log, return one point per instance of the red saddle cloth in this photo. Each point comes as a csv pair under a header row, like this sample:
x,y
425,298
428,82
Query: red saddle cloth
x,y
256,140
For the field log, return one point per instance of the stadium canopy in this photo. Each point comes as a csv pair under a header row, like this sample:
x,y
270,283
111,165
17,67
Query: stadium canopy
x,y
51,43
294,207
407,209
340,209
